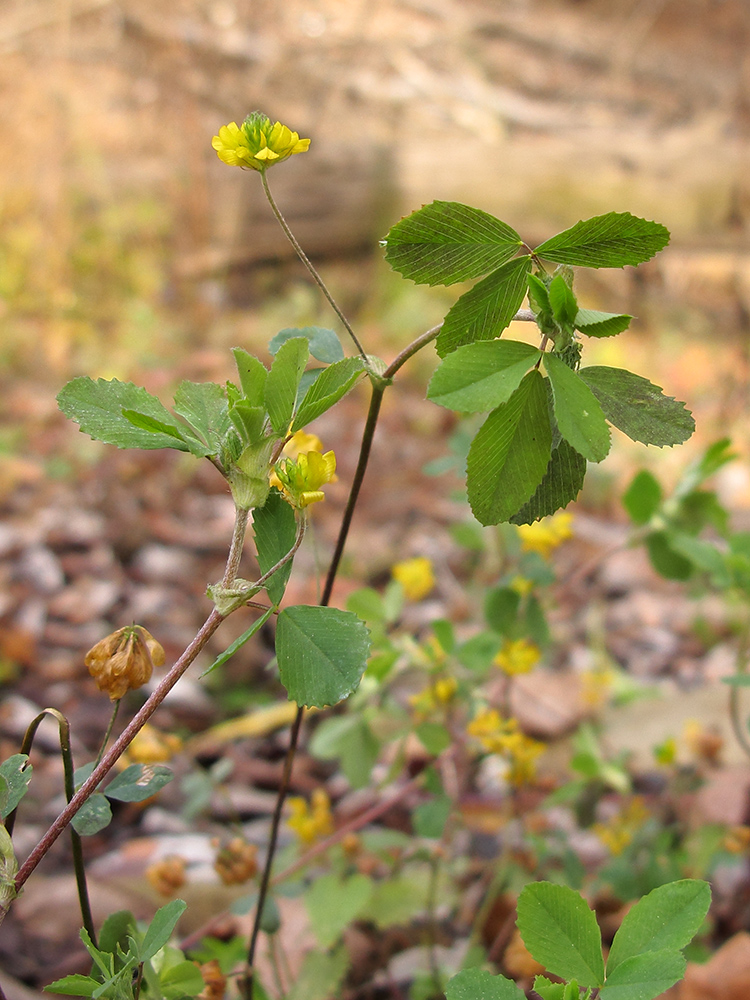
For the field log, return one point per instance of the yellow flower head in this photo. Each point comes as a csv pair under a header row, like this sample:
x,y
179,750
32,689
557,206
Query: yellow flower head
x,y
311,821
300,479
415,576
518,656
124,660
257,143
544,536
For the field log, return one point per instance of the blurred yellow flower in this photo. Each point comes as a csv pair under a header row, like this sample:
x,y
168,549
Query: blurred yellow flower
x,y
257,143
301,442
435,696
544,536
151,746
596,685
415,576
311,821
521,585
504,737
666,753
703,743
517,656
617,833
300,479
737,839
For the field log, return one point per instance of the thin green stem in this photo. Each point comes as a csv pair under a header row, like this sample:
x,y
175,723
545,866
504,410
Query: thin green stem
x,y
108,733
68,772
365,448
308,264
246,983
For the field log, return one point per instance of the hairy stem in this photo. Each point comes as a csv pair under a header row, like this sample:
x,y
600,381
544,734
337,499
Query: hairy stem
x,y
235,548
306,261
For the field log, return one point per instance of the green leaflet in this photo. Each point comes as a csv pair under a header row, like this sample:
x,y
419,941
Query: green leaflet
x,y
478,377
509,456
638,407
329,387
611,240
98,408
561,932
446,242
578,415
321,652
281,384
324,344
562,483
486,309
601,324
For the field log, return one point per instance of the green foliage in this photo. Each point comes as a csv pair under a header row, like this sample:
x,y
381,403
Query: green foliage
x,y
275,529
136,783
124,949
510,454
485,310
15,775
612,240
322,654
446,242
561,932
638,407
478,377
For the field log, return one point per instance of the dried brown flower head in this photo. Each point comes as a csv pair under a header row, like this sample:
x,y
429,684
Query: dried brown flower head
x,y
124,660
237,862
167,876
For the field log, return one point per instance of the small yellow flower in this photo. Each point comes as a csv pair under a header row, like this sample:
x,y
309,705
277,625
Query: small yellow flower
x,y
151,746
518,656
124,660
544,536
300,479
314,821
415,576
257,143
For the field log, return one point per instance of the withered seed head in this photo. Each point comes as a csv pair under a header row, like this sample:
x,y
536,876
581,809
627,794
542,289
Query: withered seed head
x,y
124,660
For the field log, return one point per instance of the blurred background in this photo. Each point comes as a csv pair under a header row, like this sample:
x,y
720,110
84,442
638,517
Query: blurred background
x,y
128,250
125,243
